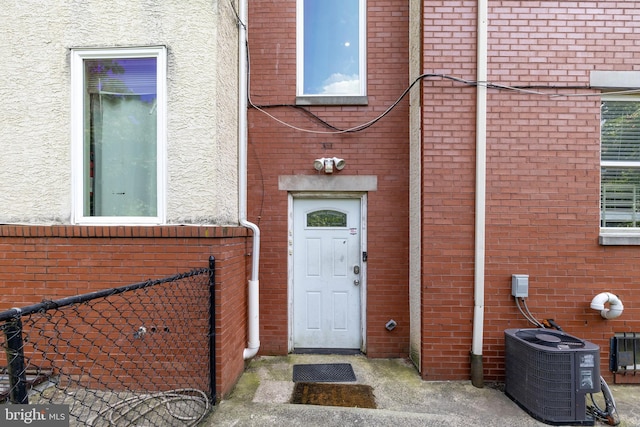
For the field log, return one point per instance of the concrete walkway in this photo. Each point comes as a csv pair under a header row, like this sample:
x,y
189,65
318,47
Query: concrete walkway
x,y
402,397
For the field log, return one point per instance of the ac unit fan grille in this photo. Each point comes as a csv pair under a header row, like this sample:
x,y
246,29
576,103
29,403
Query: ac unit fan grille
x,y
549,338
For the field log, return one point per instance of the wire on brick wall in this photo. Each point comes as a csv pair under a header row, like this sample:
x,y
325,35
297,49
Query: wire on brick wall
x,y
531,90
528,89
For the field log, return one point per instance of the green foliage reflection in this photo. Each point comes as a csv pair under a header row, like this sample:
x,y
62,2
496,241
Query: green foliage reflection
x,y
326,218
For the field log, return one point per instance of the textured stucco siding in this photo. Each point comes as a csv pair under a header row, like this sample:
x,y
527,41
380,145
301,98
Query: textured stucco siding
x,y
35,134
415,201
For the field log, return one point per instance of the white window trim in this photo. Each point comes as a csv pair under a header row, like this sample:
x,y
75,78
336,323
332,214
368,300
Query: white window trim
x,y
77,132
311,99
618,236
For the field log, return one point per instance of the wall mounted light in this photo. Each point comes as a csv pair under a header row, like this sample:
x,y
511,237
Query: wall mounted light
x,y
328,164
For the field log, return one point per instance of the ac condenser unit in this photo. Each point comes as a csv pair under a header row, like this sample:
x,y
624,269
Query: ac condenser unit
x,y
548,374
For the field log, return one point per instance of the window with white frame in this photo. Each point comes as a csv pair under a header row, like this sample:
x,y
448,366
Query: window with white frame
x,y
331,48
118,136
620,162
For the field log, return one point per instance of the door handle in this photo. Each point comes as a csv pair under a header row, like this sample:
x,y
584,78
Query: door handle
x,y
356,282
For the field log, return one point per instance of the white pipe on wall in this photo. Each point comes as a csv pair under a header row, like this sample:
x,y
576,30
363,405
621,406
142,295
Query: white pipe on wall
x,y
253,318
477,376
615,305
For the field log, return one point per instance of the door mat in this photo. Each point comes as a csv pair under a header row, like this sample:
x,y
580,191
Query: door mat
x,y
341,351
323,394
323,372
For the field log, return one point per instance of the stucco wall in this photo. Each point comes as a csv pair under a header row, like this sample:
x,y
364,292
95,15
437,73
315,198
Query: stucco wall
x,y
35,143
415,202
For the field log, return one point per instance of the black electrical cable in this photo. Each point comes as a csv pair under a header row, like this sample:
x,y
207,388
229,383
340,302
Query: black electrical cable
x,y
404,94
377,119
300,108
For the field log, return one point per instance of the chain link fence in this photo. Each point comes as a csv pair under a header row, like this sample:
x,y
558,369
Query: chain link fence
x,y
141,354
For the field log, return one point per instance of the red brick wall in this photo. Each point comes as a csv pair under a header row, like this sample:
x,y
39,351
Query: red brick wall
x,y
448,191
53,262
381,150
542,176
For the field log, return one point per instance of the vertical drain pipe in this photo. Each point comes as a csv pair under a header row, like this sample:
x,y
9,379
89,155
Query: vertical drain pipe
x,y
253,320
477,375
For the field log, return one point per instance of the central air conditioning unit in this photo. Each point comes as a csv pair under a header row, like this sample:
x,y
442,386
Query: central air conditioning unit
x,y
549,373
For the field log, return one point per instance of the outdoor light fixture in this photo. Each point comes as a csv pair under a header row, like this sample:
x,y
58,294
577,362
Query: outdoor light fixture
x,y
328,163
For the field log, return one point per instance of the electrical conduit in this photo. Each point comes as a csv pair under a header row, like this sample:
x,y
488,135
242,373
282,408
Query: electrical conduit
x,y
253,320
477,375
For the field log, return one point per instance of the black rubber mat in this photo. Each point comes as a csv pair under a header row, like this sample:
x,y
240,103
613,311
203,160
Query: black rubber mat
x,y
325,372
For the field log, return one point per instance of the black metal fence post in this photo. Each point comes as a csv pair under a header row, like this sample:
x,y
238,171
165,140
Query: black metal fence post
x,y
212,328
15,362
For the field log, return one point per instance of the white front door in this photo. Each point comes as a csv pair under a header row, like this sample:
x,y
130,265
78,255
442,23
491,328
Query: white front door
x,y
327,273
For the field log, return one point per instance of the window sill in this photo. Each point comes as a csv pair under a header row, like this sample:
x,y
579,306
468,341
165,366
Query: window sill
x,y
119,221
619,238
332,100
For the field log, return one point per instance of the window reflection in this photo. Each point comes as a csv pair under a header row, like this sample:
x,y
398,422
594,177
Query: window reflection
x,y
326,218
120,145
332,47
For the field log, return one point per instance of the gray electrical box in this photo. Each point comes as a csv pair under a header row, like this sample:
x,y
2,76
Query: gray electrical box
x,y
520,285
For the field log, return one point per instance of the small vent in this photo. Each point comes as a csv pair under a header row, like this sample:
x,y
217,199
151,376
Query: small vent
x,y
625,353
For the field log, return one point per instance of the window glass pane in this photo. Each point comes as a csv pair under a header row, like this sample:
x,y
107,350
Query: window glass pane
x,y
620,130
331,47
620,197
120,147
326,218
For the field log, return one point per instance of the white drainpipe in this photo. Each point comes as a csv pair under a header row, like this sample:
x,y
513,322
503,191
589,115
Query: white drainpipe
x,y
253,321
477,376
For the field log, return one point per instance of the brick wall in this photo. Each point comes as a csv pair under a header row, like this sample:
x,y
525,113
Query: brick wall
x,y
448,191
381,150
52,262
542,176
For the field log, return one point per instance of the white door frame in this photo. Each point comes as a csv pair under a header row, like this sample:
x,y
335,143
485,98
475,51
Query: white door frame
x,y
362,196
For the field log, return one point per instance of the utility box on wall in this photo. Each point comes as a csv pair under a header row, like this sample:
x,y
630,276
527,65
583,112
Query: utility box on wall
x,y
520,285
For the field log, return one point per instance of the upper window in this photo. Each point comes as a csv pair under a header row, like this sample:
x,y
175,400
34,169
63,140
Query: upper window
x,y
620,162
118,109
331,48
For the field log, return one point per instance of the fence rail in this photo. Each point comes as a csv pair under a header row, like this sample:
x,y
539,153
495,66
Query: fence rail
x,y
141,354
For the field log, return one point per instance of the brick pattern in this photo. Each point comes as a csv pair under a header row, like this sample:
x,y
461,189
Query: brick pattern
x,y
381,150
542,176
52,262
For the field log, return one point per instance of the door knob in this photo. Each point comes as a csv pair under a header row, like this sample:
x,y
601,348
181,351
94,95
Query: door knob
x,y
356,282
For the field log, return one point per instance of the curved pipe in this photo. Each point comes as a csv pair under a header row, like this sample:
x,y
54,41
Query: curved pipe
x,y
615,305
253,318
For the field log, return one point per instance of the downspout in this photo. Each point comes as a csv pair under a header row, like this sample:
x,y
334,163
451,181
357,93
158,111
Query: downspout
x,y
253,320
477,376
